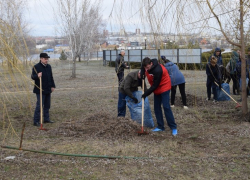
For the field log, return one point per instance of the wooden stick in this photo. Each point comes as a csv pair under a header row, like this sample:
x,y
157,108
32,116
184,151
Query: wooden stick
x,y
142,113
21,141
227,93
41,102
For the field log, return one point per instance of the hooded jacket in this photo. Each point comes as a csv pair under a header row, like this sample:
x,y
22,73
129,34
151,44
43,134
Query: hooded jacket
x,y
175,74
219,58
158,78
233,62
131,84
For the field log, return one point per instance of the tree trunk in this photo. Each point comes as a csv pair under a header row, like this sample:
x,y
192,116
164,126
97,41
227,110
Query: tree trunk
x,y
74,68
79,58
243,62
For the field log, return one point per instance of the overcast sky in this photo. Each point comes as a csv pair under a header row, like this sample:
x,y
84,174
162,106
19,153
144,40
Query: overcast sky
x,y
40,16
165,17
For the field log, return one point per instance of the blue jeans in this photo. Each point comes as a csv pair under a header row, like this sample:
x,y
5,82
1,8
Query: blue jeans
x,y
46,107
164,100
121,105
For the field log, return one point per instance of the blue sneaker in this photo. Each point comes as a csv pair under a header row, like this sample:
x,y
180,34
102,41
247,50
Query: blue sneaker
x,y
157,130
174,132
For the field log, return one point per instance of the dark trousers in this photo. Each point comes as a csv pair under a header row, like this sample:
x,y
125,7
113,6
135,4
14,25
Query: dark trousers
x,y
121,105
182,91
164,100
236,86
211,85
120,76
46,106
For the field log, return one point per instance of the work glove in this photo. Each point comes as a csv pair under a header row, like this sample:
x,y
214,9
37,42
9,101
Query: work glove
x,y
143,96
135,100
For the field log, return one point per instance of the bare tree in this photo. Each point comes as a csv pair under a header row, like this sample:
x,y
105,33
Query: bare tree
x,y
230,18
80,23
13,29
233,25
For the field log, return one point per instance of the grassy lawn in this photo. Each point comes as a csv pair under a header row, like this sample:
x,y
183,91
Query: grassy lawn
x,y
212,141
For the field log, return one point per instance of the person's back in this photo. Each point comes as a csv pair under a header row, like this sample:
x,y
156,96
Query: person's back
x,y
175,74
130,83
177,79
225,75
233,61
119,66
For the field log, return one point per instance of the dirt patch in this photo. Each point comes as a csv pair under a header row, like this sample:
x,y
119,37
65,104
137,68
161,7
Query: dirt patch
x,y
101,125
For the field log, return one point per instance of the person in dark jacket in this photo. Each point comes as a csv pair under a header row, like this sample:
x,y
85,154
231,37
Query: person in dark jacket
x,y
177,79
213,75
247,57
160,82
225,75
43,70
248,69
217,54
119,66
233,72
130,84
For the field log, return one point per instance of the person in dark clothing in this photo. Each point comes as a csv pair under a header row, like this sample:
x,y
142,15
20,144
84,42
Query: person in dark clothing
x,y
225,75
213,75
177,79
119,66
247,57
217,54
130,84
233,72
160,82
43,70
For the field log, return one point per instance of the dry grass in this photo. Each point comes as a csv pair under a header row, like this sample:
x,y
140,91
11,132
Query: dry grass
x,y
213,139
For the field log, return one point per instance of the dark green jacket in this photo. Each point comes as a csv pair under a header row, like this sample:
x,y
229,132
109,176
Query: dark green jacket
x,y
131,84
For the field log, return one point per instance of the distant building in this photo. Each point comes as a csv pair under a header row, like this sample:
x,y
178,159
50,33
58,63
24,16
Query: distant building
x,y
105,32
49,40
137,31
134,43
122,32
41,46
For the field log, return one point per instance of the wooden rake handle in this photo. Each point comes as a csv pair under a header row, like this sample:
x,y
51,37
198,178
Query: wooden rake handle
x,y
227,93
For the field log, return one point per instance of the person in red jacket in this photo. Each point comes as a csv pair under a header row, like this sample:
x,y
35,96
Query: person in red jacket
x,y
160,82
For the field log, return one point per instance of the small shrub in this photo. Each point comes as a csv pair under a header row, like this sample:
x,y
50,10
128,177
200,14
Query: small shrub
x,y
63,56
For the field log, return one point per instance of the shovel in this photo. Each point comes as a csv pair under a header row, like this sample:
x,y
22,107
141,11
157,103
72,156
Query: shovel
x,y
142,132
41,106
237,104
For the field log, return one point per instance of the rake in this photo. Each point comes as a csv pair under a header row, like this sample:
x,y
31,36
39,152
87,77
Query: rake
x,y
237,104
142,132
41,107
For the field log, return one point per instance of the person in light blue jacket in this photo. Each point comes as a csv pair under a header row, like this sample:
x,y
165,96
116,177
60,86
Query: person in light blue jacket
x,y
177,79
